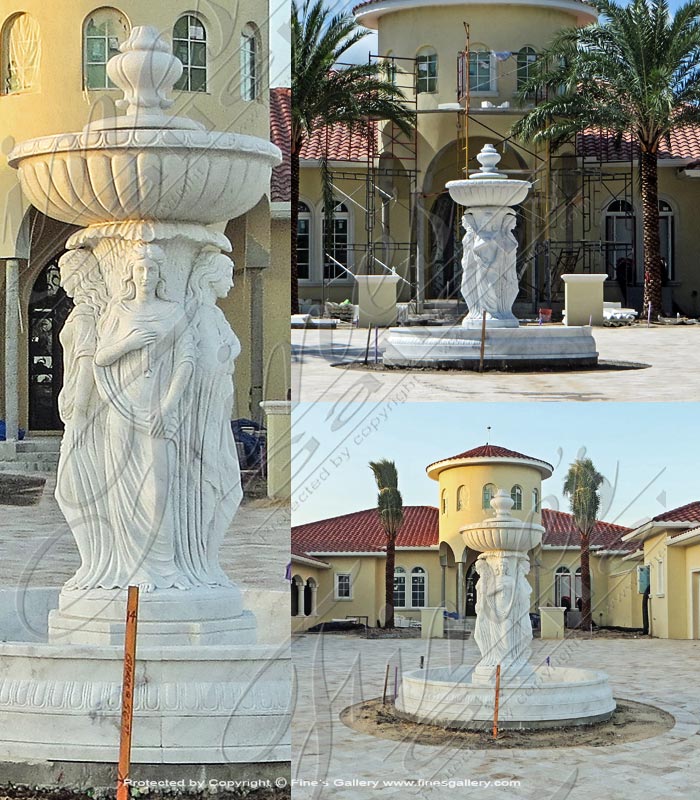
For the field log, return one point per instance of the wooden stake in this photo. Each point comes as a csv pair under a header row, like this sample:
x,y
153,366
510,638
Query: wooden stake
x,y
495,705
369,335
386,684
132,613
483,341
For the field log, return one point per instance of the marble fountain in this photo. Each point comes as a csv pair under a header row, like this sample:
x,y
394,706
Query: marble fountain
x,y
490,287
148,478
531,696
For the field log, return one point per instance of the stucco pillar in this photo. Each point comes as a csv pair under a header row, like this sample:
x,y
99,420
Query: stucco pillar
x,y
300,600
314,601
443,578
11,348
460,589
279,447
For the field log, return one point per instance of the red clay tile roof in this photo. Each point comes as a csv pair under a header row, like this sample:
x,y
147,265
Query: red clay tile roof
x,y
339,143
490,451
361,532
683,143
281,135
688,513
561,531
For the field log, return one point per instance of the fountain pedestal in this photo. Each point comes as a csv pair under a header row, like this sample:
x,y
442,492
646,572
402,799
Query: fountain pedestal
x,y
148,477
530,696
490,286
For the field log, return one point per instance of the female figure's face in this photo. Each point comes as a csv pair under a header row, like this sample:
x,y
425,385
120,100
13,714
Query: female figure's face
x,y
146,275
224,283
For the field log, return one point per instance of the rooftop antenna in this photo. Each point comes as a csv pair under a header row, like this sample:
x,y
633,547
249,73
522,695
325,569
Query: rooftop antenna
x,y
488,433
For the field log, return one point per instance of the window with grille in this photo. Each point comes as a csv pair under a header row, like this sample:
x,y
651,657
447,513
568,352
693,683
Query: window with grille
x,y
304,242
481,71
190,46
342,586
104,31
399,587
427,71
418,587
250,62
338,246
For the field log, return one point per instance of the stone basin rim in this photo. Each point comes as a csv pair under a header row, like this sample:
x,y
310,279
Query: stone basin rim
x,y
127,140
85,652
440,676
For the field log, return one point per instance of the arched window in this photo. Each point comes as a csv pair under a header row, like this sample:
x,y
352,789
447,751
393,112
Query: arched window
x,y
516,495
443,501
461,498
103,31
399,587
487,495
619,242
419,587
21,54
666,236
535,500
304,239
427,70
190,46
339,245
526,61
577,587
562,587
250,62
482,70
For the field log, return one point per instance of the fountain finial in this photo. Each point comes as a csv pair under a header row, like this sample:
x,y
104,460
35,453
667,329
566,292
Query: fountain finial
x,y
502,503
488,158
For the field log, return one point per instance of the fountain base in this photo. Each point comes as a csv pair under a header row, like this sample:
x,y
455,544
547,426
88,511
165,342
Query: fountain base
x,y
551,697
192,705
459,347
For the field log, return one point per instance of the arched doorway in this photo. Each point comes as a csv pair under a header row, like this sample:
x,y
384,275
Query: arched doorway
x,y
49,306
470,595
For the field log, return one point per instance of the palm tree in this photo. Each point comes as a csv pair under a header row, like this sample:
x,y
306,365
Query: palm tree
x,y
323,93
390,508
581,487
634,73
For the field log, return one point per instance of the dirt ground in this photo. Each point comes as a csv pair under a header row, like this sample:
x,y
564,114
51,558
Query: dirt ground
x,y
630,722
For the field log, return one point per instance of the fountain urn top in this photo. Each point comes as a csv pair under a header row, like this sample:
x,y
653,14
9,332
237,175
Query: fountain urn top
x,y
145,165
488,186
502,531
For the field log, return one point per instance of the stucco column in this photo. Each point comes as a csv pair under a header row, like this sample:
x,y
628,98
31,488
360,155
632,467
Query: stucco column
x,y
443,578
314,607
460,589
11,348
300,600
279,447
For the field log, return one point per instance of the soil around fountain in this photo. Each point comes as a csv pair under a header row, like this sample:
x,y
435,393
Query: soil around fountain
x,y
630,722
498,366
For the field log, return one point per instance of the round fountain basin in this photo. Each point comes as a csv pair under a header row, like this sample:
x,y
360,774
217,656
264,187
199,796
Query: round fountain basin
x,y
488,192
456,347
552,697
121,174
507,535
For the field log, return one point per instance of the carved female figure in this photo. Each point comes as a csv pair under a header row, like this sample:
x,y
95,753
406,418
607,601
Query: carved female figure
x,y
80,482
143,364
219,491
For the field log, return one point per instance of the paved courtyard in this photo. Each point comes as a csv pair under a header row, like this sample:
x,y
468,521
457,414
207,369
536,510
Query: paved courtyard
x,y
673,354
335,671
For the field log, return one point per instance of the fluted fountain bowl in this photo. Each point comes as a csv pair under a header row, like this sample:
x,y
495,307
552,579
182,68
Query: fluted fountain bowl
x,y
502,535
142,173
479,191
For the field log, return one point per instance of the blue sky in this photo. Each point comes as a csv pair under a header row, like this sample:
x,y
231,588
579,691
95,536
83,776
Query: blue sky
x,y
280,11
648,452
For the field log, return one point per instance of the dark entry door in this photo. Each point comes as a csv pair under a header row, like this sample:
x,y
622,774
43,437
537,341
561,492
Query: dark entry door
x,y
470,592
49,307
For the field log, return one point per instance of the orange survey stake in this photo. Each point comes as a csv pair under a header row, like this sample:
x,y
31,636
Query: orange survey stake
x,y
132,614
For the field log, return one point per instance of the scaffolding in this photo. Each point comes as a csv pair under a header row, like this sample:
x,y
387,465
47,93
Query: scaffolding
x,y
571,188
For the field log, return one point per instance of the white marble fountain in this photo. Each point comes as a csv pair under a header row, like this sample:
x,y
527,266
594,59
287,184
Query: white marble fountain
x,y
490,287
148,478
530,696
